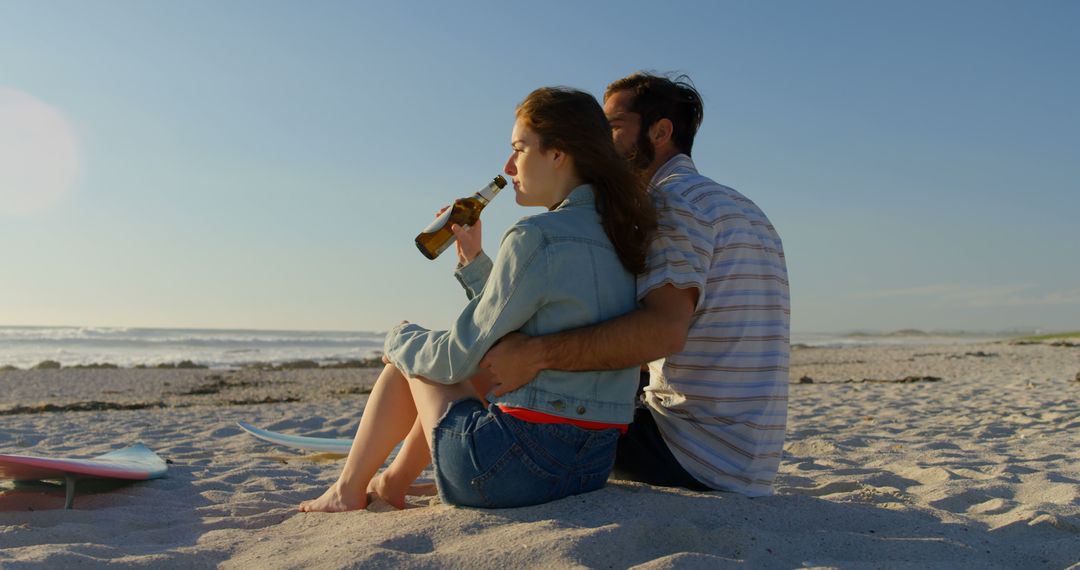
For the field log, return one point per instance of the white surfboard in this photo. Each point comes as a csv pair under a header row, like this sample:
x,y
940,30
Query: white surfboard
x,y
136,462
323,444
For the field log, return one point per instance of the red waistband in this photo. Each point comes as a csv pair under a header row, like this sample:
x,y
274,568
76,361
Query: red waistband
x,y
533,416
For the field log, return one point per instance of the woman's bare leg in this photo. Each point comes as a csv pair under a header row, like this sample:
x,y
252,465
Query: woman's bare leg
x,y
393,484
397,480
388,417
432,399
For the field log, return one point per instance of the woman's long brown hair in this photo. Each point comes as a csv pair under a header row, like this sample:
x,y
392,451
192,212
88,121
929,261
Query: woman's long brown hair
x,y
573,122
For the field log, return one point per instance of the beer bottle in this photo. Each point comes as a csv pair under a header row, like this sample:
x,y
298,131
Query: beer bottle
x,y
463,212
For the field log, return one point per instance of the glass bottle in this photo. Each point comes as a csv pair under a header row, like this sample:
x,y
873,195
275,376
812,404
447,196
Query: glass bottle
x,y
464,212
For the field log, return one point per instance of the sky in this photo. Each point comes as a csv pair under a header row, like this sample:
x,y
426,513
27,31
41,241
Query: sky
x,y
267,165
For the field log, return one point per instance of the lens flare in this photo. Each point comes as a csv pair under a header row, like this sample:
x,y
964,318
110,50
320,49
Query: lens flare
x,y
39,156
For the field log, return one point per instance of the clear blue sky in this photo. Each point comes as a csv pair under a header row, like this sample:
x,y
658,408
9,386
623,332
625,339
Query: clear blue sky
x,y
254,164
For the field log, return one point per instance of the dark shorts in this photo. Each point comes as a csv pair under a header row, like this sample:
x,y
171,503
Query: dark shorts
x,y
485,458
644,456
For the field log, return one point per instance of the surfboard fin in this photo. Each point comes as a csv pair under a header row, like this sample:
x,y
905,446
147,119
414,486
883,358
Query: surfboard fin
x,y
69,484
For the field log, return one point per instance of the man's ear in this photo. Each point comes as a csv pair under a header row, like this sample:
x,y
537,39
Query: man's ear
x,y
661,132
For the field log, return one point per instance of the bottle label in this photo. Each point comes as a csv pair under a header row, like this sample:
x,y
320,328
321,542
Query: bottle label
x,y
487,193
440,221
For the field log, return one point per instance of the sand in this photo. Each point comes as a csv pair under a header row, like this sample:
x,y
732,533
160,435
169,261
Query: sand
x,y
973,462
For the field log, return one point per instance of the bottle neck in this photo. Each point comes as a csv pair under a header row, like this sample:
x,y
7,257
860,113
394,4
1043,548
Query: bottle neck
x,y
487,193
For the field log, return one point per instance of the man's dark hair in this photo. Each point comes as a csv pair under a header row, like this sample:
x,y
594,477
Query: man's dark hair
x,y
657,97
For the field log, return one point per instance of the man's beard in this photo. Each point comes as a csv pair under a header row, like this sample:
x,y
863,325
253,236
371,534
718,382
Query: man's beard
x,y
641,156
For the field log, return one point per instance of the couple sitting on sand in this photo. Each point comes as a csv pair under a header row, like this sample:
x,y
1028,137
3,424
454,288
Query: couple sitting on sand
x,y
535,393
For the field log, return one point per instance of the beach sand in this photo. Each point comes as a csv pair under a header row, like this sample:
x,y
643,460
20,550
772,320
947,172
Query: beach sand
x,y
971,461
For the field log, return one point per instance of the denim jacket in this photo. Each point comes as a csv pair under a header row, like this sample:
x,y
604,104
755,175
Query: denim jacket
x,y
554,271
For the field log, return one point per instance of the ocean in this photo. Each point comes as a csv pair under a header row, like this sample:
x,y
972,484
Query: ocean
x,y
24,347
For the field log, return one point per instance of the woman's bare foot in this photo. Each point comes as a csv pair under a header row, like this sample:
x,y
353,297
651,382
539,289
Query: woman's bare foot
x,y
338,498
394,492
383,487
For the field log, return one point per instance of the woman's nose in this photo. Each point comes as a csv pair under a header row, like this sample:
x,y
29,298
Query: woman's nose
x,y
510,168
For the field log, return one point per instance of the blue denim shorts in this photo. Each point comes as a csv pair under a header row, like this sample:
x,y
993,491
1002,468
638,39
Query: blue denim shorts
x,y
485,458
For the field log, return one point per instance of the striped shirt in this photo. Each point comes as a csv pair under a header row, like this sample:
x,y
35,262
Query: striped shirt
x,y
721,403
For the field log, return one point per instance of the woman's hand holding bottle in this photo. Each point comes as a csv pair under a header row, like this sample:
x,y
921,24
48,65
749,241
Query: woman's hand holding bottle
x,y
464,212
468,242
466,238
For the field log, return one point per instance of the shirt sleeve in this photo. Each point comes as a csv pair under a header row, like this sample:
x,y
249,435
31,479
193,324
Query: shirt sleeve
x,y
474,275
680,253
513,293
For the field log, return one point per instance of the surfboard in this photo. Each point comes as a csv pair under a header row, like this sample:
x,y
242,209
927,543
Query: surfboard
x,y
323,444
136,462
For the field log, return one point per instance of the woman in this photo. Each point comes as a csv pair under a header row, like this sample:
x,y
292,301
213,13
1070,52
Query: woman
x,y
571,266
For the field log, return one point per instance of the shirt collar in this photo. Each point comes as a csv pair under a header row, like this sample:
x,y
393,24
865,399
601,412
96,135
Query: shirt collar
x,y
680,163
578,196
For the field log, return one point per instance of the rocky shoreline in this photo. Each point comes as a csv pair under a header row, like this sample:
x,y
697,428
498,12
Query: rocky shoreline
x,y
101,389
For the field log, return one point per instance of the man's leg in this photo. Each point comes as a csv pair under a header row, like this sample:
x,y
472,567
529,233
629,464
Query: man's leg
x,y
643,455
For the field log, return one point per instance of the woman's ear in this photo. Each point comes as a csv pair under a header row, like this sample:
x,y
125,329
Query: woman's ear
x,y
558,158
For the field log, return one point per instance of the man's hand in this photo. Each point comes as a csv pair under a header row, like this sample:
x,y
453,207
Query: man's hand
x,y
513,362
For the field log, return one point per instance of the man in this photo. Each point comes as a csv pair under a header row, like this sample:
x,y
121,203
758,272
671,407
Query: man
x,y
714,304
